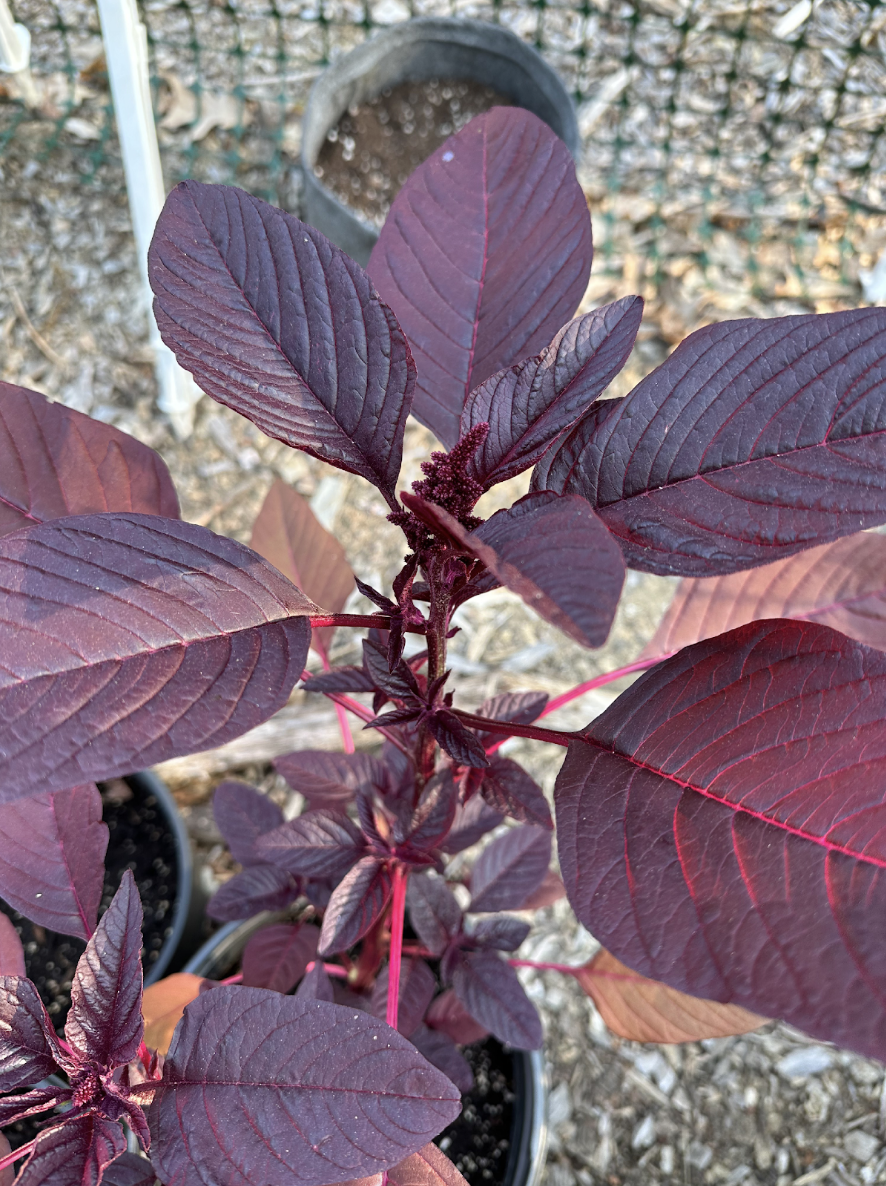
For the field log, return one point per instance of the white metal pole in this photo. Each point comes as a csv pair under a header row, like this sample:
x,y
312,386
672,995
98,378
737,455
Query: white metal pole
x,y
126,52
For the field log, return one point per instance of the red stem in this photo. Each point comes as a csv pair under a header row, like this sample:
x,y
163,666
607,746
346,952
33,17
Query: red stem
x,y
380,621
510,729
347,738
329,969
399,876
358,710
236,979
22,1151
599,680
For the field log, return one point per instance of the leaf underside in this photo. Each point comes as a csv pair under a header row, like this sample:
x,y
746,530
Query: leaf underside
x,y
721,829
752,441
484,255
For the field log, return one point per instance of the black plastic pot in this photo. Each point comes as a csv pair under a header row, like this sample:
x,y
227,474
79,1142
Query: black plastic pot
x,y
219,957
416,51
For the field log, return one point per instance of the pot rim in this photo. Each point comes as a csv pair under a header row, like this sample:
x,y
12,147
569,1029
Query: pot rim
x,y
526,1165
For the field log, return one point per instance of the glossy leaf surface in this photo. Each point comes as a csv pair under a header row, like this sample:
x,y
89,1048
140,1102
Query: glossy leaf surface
x,y
754,440
27,1039
56,462
276,956
356,903
842,585
721,828
433,911
308,1093
74,1154
140,639
277,323
648,1011
510,868
52,858
492,993
316,844
104,1025
508,788
528,405
484,255
289,535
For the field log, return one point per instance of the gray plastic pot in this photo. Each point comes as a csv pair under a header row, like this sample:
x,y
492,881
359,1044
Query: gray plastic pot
x,y
220,956
416,51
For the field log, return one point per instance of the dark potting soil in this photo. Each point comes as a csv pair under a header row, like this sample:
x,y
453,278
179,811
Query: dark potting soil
x,y
374,147
479,1140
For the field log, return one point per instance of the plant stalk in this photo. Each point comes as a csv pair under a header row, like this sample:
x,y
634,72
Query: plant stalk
x,y
22,1151
379,621
399,876
511,729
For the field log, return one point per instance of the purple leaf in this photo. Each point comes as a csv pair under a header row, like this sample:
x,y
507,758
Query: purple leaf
x,y
456,739
485,254
289,535
56,462
276,956
28,1049
75,1153
510,868
428,1167
52,854
399,683
435,812
842,585
316,844
32,1103
104,1026
471,824
260,887
129,1170
501,932
448,1015
417,988
356,904
440,1050
490,990
721,828
528,405
508,788
140,639
316,985
284,328
520,707
242,815
752,441
329,780
307,1093
433,911
12,954
340,679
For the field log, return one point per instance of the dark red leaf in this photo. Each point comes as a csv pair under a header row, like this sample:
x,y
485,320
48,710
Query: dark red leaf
x,y
340,679
399,683
555,553
329,780
129,1170
52,858
471,824
260,887
308,1093
56,462
508,788
28,1049
316,844
428,1167
243,814
316,985
289,535
276,956
550,891
435,915
356,903
521,707
485,254
104,1025
510,868
500,932
435,812
129,639
842,585
528,405
721,827
490,990
417,988
32,1103
688,481
439,1049
277,323
455,739
448,1015
75,1153
12,954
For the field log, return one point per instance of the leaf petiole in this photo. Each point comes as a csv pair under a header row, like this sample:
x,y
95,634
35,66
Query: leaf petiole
x,y
399,876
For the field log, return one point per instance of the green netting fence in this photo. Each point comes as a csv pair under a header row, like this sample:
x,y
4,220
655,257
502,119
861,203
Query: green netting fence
x,y
735,150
